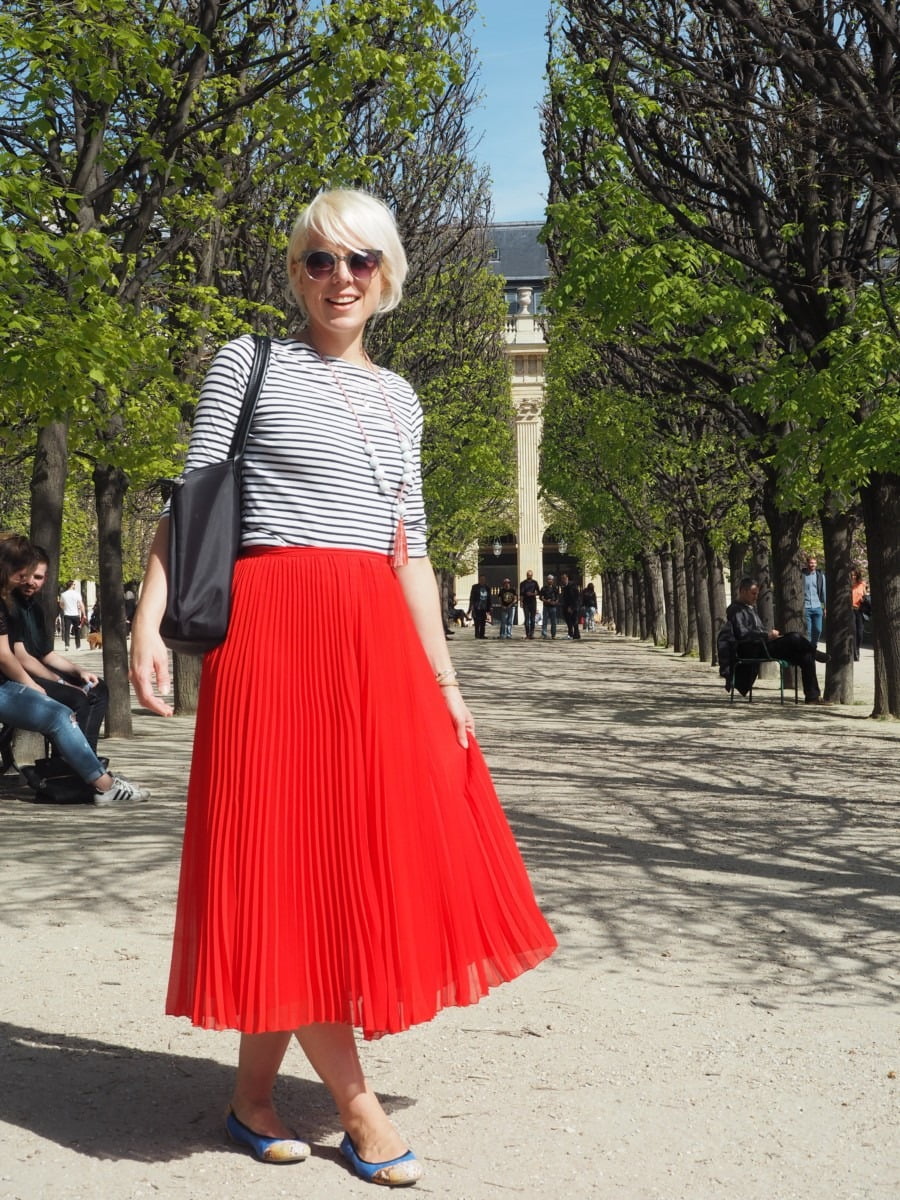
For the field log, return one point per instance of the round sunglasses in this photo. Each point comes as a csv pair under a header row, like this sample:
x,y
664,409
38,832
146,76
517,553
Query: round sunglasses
x,y
322,264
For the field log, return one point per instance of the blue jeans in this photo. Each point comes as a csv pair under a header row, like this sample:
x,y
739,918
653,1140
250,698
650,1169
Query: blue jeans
x,y
29,709
813,618
506,621
548,628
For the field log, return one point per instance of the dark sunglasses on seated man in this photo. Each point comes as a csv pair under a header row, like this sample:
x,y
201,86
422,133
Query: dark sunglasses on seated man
x,y
321,264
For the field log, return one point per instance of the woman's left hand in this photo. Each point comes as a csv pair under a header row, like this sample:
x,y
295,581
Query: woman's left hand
x,y
459,711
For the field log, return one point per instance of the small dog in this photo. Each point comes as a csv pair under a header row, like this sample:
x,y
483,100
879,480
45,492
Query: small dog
x,y
95,640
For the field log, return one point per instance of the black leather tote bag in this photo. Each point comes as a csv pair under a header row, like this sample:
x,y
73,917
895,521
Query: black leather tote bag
x,y
205,535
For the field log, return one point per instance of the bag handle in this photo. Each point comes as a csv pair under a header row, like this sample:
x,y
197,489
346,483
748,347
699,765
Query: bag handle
x,y
261,347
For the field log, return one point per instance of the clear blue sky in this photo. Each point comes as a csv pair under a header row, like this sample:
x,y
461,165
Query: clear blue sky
x,y
509,37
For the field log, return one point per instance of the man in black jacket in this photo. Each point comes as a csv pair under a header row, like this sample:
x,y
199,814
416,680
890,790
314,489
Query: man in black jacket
x,y
480,605
756,641
528,596
571,606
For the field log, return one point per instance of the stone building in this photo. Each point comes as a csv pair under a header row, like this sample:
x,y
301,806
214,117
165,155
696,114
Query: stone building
x,y
521,259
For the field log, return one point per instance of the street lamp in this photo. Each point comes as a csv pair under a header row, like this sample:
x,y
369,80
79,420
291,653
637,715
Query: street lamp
x,y
497,548
563,545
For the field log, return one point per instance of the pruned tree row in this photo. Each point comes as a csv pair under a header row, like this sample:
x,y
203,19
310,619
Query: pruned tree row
x,y
723,228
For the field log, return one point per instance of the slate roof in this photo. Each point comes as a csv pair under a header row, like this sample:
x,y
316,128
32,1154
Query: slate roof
x,y
518,255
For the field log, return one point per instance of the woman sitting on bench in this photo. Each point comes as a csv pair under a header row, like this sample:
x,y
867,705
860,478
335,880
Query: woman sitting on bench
x,y
25,705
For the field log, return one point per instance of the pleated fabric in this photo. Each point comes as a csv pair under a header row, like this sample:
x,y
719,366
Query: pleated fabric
x,y
345,860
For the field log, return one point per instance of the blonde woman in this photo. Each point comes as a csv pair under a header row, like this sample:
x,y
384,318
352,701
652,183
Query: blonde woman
x,y
346,861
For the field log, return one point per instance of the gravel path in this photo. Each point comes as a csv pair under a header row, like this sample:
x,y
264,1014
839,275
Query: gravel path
x,y
721,1020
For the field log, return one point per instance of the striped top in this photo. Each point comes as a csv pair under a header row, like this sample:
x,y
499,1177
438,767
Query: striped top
x,y
307,480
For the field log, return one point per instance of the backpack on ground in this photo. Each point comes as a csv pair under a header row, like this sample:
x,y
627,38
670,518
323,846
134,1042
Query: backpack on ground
x,y
53,781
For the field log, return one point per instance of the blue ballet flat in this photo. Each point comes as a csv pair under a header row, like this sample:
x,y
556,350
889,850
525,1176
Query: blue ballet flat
x,y
396,1172
267,1149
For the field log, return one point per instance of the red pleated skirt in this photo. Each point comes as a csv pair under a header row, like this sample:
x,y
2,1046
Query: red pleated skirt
x,y
345,860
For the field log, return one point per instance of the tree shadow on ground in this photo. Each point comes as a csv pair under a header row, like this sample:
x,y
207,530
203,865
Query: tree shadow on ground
x,y
111,1101
758,838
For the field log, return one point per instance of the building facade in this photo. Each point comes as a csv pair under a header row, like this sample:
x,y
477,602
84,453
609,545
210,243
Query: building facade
x,y
518,256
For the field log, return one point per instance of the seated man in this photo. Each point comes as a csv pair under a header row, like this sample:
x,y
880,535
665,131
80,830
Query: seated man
x,y
755,641
82,691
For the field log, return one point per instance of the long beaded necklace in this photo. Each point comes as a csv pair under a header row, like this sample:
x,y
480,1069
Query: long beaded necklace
x,y
400,555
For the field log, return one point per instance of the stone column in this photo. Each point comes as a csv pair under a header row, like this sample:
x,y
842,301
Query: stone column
x,y
528,441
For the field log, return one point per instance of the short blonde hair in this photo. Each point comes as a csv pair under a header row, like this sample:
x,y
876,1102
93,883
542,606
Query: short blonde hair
x,y
357,221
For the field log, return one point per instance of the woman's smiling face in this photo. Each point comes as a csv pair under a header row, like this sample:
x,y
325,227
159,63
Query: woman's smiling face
x,y
340,304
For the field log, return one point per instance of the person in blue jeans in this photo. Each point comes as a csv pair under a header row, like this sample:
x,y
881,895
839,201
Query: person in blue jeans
x,y
507,598
550,597
813,599
25,704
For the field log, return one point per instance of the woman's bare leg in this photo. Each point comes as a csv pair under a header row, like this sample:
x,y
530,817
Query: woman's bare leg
x,y
259,1060
331,1050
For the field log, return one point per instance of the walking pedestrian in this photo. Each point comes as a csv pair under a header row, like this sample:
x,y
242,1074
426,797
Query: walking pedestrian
x,y
528,597
73,612
550,598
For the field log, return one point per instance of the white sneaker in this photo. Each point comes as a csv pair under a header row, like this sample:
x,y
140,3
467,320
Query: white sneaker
x,y
121,792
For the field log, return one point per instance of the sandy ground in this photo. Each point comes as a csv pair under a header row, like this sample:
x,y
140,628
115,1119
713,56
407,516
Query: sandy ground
x,y
721,1019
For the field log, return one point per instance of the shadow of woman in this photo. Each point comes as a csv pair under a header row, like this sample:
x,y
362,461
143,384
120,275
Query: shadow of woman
x,y
110,1101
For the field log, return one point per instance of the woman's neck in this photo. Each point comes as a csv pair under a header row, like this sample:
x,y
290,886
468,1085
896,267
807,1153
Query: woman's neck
x,y
330,345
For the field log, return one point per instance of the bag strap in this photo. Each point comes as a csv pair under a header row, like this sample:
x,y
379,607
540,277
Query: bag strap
x,y
261,347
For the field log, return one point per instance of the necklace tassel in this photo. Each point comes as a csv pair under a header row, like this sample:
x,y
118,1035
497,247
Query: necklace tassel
x,y
401,555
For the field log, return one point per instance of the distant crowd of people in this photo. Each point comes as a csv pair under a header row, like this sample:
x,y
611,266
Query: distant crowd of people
x,y
565,599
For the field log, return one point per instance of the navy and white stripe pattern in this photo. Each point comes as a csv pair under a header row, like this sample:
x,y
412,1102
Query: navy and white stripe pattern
x,y
307,479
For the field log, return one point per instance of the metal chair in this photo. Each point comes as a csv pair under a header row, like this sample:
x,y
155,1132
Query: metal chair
x,y
756,660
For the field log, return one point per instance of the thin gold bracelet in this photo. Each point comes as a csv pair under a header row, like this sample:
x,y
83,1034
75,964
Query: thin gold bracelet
x,y
450,683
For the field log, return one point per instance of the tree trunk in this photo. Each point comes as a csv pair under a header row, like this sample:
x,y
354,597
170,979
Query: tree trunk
x,y
48,490
630,615
837,532
640,595
701,601
785,530
110,485
668,586
620,602
656,601
186,674
717,602
682,639
881,510
608,600
690,594
762,570
445,582
737,567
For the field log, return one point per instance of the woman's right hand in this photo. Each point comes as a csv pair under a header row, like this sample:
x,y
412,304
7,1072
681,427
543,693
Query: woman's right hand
x,y
149,657
149,663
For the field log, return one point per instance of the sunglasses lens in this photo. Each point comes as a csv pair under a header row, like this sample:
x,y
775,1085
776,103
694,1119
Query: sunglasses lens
x,y
363,266
320,264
